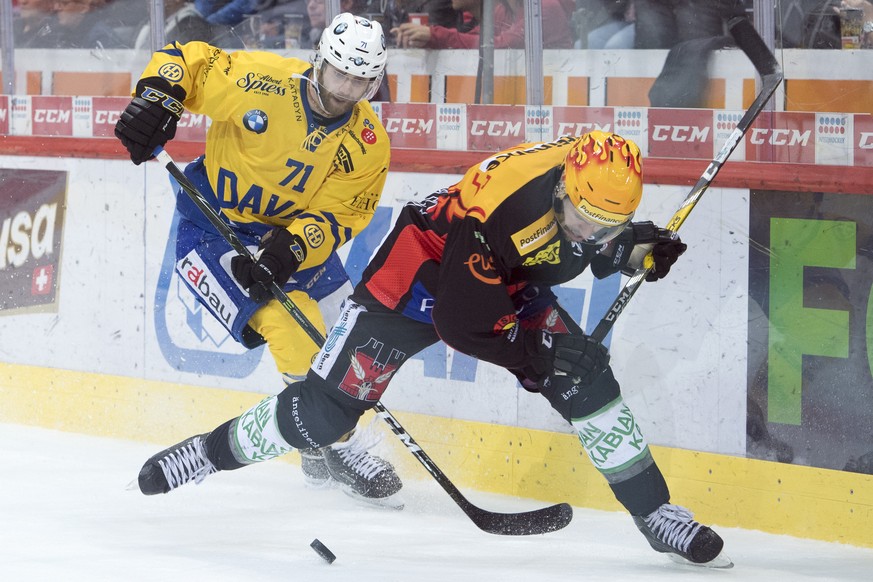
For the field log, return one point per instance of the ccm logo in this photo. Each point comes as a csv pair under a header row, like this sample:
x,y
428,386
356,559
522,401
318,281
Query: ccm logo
x,y
580,128
786,137
866,140
106,116
52,115
191,120
403,125
680,133
496,128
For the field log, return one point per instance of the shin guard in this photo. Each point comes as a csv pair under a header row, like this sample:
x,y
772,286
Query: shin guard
x,y
620,452
254,436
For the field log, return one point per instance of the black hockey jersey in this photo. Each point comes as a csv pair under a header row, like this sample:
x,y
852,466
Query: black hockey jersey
x,y
458,258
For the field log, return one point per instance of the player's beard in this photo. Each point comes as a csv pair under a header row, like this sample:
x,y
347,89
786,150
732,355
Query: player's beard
x,y
326,104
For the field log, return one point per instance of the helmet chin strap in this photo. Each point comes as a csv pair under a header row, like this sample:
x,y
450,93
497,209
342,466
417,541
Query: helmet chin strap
x,y
317,87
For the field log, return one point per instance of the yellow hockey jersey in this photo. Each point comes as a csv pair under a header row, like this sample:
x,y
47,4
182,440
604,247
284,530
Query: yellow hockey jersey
x,y
268,159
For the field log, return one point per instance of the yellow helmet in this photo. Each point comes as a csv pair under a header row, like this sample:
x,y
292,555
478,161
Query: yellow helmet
x,y
603,183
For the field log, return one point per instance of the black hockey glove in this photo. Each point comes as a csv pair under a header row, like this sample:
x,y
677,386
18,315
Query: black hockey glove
x,y
279,255
149,120
627,251
666,250
579,356
569,354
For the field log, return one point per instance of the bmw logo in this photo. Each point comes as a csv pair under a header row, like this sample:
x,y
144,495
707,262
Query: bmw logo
x,y
340,28
255,120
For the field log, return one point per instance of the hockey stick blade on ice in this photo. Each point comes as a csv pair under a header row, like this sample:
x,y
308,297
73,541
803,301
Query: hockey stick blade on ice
x,y
768,69
538,521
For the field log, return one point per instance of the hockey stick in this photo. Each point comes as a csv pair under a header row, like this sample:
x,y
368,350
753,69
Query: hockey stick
x,y
538,521
771,75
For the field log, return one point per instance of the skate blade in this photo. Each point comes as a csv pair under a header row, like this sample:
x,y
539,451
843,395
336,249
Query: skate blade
x,y
721,562
394,502
317,484
132,486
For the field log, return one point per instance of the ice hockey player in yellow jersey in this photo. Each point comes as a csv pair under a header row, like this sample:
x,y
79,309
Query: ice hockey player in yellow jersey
x,y
295,162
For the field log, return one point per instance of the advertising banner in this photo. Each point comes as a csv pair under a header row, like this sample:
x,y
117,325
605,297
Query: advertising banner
x,y
494,128
31,228
811,328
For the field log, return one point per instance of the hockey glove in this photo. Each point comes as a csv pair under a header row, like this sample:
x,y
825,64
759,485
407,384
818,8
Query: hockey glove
x,y
568,354
149,120
279,256
665,249
579,356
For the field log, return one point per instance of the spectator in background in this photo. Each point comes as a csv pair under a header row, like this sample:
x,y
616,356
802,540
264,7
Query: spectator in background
x,y
822,29
661,24
183,23
509,22
692,30
226,12
604,24
32,21
80,24
439,12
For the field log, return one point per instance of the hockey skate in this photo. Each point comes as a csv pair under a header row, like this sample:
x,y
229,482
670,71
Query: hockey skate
x,y
350,467
315,472
670,529
176,466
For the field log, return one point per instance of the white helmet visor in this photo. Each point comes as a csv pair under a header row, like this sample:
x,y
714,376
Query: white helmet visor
x,y
345,86
580,229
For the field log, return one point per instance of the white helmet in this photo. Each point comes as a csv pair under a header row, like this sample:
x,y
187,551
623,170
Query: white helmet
x,y
355,48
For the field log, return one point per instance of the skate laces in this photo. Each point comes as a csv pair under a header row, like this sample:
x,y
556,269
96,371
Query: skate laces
x,y
673,525
187,463
355,455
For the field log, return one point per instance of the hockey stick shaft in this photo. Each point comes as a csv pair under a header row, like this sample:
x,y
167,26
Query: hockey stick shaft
x,y
538,521
771,76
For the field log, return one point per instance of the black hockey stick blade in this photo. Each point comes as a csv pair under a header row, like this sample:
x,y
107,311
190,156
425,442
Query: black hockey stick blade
x,y
526,523
750,42
537,521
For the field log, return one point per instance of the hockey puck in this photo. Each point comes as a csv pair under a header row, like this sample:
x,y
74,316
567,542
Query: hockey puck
x,y
322,551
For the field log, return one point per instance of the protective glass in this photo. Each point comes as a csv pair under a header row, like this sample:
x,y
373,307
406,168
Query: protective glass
x,y
345,86
580,229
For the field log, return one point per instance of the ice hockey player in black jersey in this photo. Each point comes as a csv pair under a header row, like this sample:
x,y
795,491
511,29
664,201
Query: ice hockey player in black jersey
x,y
473,265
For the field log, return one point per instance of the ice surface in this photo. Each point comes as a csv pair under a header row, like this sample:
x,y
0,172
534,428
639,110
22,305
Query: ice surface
x,y
67,516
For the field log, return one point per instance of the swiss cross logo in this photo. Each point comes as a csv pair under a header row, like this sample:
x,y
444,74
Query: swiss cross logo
x,y
580,120
494,128
410,125
782,137
51,115
684,133
41,280
105,113
863,140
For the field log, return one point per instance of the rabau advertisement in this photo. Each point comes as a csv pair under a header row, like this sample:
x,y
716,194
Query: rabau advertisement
x,y
811,329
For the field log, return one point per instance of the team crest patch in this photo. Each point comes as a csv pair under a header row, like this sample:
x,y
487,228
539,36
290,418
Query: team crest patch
x,y
171,72
367,377
314,235
255,121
